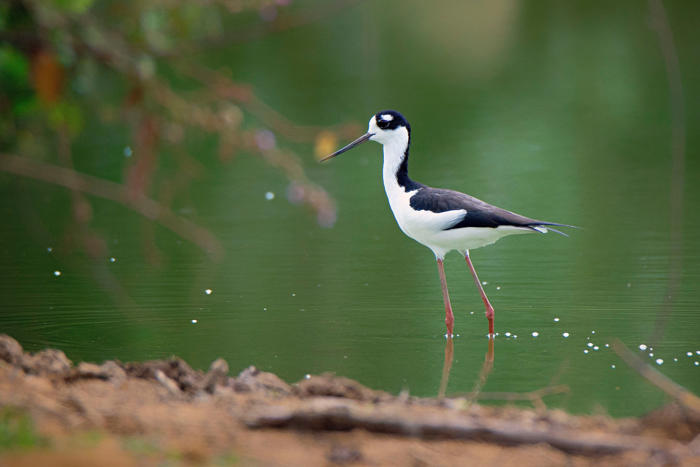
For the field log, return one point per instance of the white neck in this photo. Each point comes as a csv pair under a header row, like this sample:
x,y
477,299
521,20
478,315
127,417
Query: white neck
x,y
394,154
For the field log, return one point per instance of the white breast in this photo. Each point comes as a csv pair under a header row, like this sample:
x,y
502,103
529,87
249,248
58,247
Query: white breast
x,y
427,227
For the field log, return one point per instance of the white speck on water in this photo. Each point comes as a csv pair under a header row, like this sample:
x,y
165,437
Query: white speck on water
x,y
659,361
49,249
307,376
690,354
535,333
207,291
696,363
642,347
585,350
269,196
607,346
294,294
697,352
498,287
515,336
629,284
485,283
565,334
128,151
556,320
345,356
651,355
595,347
612,366
58,273
194,321
675,359
471,312
507,334
112,259
592,332
264,308
590,344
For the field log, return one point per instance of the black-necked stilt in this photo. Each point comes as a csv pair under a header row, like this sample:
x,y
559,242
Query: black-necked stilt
x,y
443,220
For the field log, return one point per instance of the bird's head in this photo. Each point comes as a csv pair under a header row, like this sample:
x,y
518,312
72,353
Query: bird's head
x,y
386,127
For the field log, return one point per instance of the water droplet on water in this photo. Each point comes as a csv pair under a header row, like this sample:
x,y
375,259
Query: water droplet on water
x,y
498,287
696,363
607,346
194,321
585,351
659,361
565,334
58,273
675,359
207,291
556,320
590,344
697,352
264,308
592,332
690,354
612,366
535,333
307,376
642,347
595,347
485,283
269,196
294,294
507,334
112,259
49,249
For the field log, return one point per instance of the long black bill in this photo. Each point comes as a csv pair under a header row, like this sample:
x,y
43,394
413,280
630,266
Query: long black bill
x,y
359,140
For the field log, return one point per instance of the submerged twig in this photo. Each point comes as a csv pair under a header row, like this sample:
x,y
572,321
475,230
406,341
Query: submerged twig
x,y
688,400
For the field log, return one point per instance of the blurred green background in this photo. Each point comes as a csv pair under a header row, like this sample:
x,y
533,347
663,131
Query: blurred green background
x,y
161,193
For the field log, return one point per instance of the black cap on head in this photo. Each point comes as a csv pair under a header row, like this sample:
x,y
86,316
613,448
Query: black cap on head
x,y
391,120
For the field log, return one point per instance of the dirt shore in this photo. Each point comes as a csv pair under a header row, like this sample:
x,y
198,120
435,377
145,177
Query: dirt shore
x,y
165,413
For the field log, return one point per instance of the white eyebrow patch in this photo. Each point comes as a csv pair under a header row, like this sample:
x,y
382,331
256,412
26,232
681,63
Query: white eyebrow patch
x,y
387,117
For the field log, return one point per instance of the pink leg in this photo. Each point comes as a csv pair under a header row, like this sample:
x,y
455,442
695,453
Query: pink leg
x,y
489,308
449,317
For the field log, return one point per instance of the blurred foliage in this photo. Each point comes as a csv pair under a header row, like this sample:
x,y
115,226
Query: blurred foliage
x,y
70,66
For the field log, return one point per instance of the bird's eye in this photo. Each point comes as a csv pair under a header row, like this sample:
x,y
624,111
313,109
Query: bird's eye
x,y
383,124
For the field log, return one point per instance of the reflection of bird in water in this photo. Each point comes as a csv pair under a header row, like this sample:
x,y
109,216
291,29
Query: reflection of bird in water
x,y
483,374
442,220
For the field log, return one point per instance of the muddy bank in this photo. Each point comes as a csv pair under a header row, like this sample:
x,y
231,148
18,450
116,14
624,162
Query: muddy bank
x,y
151,412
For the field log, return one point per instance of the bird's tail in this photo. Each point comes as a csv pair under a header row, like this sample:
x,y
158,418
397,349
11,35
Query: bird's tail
x,y
544,227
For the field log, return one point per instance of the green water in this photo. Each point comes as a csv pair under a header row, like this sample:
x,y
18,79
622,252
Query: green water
x,y
556,110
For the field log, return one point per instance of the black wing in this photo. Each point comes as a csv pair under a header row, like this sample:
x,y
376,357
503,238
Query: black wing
x,y
479,213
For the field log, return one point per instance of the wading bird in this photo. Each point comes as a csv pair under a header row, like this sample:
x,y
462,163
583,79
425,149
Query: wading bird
x,y
443,220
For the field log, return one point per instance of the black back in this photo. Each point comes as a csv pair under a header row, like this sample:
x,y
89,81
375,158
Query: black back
x,y
479,213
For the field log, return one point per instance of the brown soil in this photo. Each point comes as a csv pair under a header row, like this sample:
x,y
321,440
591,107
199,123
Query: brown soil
x,y
157,412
